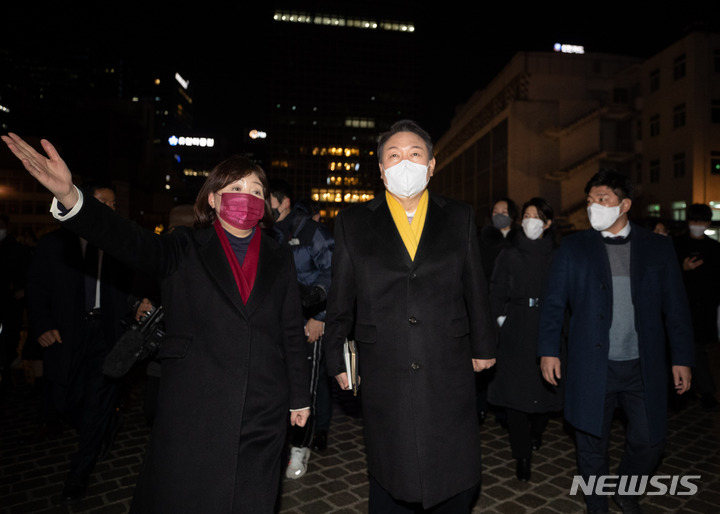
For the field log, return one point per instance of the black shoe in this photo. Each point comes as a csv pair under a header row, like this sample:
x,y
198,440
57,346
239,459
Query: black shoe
x,y
320,441
522,470
74,490
536,442
627,504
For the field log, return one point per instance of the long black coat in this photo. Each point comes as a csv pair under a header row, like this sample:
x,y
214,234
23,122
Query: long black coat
x,y
418,325
521,273
230,372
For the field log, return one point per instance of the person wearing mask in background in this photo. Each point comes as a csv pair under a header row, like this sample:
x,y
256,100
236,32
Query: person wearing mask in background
x,y
699,257
234,364
516,292
499,234
76,299
312,246
623,287
408,283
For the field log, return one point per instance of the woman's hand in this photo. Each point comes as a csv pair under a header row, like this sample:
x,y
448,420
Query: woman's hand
x,y
299,417
51,171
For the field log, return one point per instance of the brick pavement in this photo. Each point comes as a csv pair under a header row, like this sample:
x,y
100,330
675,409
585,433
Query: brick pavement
x,y
31,475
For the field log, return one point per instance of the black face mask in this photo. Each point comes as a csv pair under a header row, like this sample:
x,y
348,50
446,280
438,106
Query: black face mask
x,y
501,220
275,214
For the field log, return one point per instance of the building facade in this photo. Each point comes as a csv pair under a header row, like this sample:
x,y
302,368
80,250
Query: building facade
x,y
550,120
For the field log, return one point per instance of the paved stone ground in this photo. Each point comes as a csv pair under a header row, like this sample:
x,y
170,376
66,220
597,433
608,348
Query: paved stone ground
x,y
336,482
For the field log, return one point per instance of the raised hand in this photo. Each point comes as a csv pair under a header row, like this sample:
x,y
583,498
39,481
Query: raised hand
x,y
50,171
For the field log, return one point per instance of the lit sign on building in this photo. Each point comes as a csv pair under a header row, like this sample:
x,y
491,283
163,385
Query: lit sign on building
x,y
203,142
257,134
184,83
569,49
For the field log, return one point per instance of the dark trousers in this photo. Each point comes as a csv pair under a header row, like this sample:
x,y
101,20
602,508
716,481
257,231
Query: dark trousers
x,y
522,426
380,501
624,390
88,403
302,436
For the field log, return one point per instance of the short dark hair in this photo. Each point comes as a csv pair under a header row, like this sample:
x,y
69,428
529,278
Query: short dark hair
x,y
512,207
698,212
404,126
92,186
281,189
620,184
545,212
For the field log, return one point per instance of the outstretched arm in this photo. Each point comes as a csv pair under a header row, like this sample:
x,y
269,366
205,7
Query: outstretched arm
x,y
50,171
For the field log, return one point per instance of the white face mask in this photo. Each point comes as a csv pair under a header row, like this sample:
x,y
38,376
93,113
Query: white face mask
x,y
601,217
533,227
697,230
406,178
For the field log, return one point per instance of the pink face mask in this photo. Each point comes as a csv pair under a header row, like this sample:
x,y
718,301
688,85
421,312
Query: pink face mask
x,y
241,210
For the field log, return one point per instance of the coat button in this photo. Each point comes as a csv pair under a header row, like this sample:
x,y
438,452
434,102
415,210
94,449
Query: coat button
x,y
413,320
415,365
413,276
598,346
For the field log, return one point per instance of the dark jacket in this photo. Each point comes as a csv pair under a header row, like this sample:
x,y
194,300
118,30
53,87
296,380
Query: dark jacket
x,y
702,296
418,325
312,245
55,296
492,242
516,291
580,279
230,371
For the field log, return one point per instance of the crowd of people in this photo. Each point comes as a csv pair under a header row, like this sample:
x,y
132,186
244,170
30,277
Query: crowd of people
x,y
451,321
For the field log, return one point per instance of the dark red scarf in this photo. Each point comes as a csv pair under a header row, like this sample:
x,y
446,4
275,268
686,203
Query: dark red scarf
x,y
245,274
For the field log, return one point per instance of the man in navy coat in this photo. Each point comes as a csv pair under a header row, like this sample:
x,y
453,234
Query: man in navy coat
x,y
624,290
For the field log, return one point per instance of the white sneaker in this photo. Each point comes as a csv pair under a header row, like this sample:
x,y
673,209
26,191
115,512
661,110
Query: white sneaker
x,y
298,462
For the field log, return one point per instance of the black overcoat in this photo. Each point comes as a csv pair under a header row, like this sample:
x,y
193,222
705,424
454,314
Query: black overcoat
x,y
230,371
520,275
419,323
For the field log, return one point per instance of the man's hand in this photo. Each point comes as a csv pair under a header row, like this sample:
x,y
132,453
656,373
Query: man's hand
x,y
49,338
482,364
299,417
51,171
314,330
342,380
143,309
690,263
550,367
682,377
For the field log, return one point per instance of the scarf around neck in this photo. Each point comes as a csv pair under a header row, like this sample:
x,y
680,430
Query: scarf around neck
x,y
410,232
245,274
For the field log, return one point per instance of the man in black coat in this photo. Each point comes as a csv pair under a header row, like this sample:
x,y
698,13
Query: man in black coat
x,y
700,260
76,298
407,279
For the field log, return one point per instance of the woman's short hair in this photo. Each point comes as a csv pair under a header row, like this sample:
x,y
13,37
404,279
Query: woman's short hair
x,y
545,212
228,171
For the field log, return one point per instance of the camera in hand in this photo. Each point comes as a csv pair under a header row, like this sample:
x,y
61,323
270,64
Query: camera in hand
x,y
140,341
313,299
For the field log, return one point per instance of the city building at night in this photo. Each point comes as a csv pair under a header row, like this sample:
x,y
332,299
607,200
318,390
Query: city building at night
x,y
334,87
550,120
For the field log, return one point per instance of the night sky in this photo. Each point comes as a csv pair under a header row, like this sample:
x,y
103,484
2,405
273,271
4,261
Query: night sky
x,y
220,49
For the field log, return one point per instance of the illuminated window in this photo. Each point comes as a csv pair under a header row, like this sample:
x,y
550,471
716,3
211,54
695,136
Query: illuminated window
x,y
653,210
331,20
678,211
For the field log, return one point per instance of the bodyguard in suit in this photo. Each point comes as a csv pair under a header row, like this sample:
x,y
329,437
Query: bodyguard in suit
x,y
407,277
76,297
624,290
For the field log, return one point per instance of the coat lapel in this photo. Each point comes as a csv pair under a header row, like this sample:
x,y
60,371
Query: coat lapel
x,y
268,264
213,258
432,232
598,258
382,224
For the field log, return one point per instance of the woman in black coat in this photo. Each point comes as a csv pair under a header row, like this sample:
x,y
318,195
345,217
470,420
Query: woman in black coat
x,y
233,359
516,290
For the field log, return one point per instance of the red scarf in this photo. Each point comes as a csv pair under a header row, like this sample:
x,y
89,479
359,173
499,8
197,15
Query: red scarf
x,y
245,274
